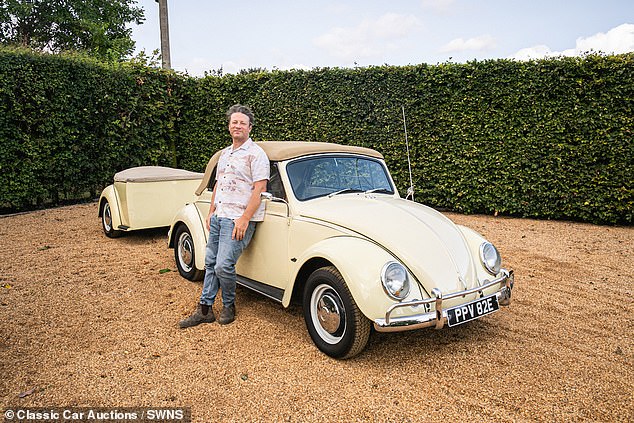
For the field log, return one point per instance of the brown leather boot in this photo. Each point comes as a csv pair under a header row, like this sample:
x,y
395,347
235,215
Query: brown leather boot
x,y
227,315
198,317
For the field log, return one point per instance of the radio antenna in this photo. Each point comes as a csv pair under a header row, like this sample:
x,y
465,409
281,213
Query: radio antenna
x,y
410,190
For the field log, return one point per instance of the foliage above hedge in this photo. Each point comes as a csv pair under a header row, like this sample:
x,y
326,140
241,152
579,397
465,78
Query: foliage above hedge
x,y
548,138
99,28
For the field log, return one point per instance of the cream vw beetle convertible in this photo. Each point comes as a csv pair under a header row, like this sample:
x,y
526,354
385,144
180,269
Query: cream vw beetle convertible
x,y
338,239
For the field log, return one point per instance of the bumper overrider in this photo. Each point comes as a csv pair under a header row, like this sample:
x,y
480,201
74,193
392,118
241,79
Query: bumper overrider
x,y
438,317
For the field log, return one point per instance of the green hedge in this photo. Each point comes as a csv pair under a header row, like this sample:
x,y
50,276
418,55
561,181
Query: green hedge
x,y
547,139
67,123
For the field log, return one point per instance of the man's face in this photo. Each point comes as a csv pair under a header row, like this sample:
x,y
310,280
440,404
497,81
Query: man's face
x,y
239,127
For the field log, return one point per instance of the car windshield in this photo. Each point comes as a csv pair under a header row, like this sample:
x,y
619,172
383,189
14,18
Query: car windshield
x,y
331,175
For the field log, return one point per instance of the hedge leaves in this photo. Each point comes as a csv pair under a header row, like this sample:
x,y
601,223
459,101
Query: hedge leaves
x,y
546,139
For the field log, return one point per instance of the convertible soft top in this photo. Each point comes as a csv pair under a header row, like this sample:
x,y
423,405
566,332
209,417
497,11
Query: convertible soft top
x,y
154,174
285,150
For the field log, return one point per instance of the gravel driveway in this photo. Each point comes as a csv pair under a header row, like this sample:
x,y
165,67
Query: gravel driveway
x,y
91,321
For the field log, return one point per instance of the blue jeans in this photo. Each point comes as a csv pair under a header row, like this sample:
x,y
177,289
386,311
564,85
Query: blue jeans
x,y
221,255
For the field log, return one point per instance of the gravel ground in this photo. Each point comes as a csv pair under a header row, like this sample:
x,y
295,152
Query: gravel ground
x,y
91,321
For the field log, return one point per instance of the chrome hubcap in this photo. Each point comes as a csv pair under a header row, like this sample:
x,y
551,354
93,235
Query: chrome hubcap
x,y
328,314
185,252
107,217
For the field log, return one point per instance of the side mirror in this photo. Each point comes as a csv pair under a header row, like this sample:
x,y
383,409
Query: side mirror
x,y
270,197
267,196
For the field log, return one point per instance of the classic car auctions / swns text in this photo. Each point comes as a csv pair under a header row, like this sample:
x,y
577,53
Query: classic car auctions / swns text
x,y
181,415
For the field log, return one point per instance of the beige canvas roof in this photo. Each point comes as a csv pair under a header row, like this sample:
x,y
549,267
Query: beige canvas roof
x,y
285,150
154,174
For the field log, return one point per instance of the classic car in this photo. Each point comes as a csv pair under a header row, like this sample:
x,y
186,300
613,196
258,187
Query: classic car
x,y
145,197
339,239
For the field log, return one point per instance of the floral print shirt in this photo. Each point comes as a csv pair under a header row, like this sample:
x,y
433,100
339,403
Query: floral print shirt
x,y
236,173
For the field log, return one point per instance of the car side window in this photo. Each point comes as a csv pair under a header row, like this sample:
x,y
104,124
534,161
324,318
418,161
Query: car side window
x,y
274,185
212,179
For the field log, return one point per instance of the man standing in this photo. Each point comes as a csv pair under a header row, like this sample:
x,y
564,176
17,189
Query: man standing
x,y
241,176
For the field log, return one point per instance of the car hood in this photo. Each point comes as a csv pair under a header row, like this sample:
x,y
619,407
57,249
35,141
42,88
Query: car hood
x,y
424,240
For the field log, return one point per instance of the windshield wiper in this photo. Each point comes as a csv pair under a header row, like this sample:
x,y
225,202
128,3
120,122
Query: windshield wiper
x,y
379,190
343,191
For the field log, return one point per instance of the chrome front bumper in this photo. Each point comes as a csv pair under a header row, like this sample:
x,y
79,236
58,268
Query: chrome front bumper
x,y
438,317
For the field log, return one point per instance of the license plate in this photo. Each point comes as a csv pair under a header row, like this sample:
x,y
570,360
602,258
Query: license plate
x,y
471,311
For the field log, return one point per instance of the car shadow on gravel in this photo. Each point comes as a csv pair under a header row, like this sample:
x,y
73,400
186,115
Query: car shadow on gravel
x,y
266,308
430,341
417,343
142,235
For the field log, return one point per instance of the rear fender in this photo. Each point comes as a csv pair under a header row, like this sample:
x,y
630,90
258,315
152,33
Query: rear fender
x,y
190,217
110,194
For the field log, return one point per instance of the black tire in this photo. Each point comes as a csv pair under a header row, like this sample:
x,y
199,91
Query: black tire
x,y
106,221
185,254
334,321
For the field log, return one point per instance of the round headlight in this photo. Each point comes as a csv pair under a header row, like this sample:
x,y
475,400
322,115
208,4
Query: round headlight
x,y
490,258
395,280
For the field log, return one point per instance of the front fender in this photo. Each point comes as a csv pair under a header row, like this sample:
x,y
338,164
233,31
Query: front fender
x,y
110,194
190,217
360,263
474,240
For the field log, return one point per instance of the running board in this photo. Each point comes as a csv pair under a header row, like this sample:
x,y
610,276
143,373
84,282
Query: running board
x,y
271,292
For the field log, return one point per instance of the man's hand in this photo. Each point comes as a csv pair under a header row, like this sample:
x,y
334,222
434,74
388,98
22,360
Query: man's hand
x,y
208,220
240,226
212,208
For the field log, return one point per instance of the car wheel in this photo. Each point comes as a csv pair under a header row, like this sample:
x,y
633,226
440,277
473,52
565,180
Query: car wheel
x,y
106,222
185,255
334,321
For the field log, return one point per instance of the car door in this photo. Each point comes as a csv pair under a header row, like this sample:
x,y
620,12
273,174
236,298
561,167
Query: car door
x,y
264,266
